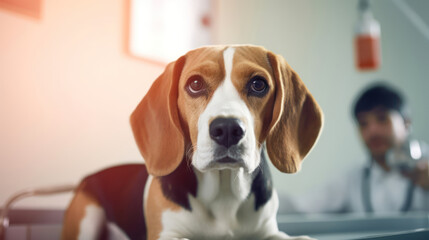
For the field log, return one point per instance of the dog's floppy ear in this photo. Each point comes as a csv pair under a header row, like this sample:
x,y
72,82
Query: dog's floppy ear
x,y
297,118
156,125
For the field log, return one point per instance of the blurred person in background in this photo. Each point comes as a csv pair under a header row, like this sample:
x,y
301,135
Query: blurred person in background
x,y
393,180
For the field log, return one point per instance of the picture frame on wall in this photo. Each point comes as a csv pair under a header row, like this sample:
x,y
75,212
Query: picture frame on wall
x,y
162,30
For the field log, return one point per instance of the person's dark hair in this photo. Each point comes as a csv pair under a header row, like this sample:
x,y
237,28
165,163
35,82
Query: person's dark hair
x,y
380,95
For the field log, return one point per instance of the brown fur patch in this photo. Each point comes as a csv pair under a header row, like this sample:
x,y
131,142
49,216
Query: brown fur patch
x,y
297,118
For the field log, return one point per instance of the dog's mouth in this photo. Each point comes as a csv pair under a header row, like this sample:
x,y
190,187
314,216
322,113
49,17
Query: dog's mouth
x,y
218,157
233,152
227,160
227,163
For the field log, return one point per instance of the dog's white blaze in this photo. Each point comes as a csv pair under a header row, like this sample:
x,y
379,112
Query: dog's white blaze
x,y
225,102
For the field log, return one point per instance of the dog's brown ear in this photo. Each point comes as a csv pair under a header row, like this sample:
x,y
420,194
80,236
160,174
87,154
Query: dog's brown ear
x,y
156,125
297,118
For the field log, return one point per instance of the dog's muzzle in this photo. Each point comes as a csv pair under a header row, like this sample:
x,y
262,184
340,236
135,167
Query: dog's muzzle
x,y
227,131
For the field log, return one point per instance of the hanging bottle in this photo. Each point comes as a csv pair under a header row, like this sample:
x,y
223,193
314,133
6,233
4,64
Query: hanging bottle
x,y
367,39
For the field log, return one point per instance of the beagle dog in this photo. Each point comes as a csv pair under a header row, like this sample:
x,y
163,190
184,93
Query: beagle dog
x,y
206,129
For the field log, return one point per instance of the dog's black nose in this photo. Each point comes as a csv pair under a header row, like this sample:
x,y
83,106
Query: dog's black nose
x,y
226,131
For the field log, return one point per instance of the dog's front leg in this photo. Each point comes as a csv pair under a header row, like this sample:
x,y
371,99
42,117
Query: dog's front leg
x,y
283,236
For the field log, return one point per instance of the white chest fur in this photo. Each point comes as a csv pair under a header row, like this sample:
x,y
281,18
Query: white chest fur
x,y
223,209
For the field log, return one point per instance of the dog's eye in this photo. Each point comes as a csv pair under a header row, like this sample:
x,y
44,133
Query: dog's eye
x,y
196,86
257,86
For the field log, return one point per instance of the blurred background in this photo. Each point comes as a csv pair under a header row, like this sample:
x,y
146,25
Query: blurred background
x,y
72,71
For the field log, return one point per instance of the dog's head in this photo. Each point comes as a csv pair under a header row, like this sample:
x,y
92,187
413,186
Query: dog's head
x,y
219,105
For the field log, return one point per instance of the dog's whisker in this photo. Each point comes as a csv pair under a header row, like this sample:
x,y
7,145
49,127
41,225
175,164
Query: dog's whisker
x,y
190,151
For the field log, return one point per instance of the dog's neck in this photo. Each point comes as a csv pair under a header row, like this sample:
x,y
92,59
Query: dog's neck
x,y
230,183
222,192
219,191
229,194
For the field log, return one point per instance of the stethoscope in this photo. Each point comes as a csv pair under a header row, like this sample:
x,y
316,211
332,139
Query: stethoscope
x,y
366,191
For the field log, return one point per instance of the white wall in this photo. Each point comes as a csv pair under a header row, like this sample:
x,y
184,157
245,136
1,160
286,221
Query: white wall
x,y
67,88
316,38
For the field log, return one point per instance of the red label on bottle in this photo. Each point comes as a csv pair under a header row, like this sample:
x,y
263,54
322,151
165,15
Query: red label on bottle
x,y
367,52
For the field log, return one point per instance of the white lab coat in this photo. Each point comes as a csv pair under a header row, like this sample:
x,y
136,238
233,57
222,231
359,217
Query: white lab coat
x,y
388,191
